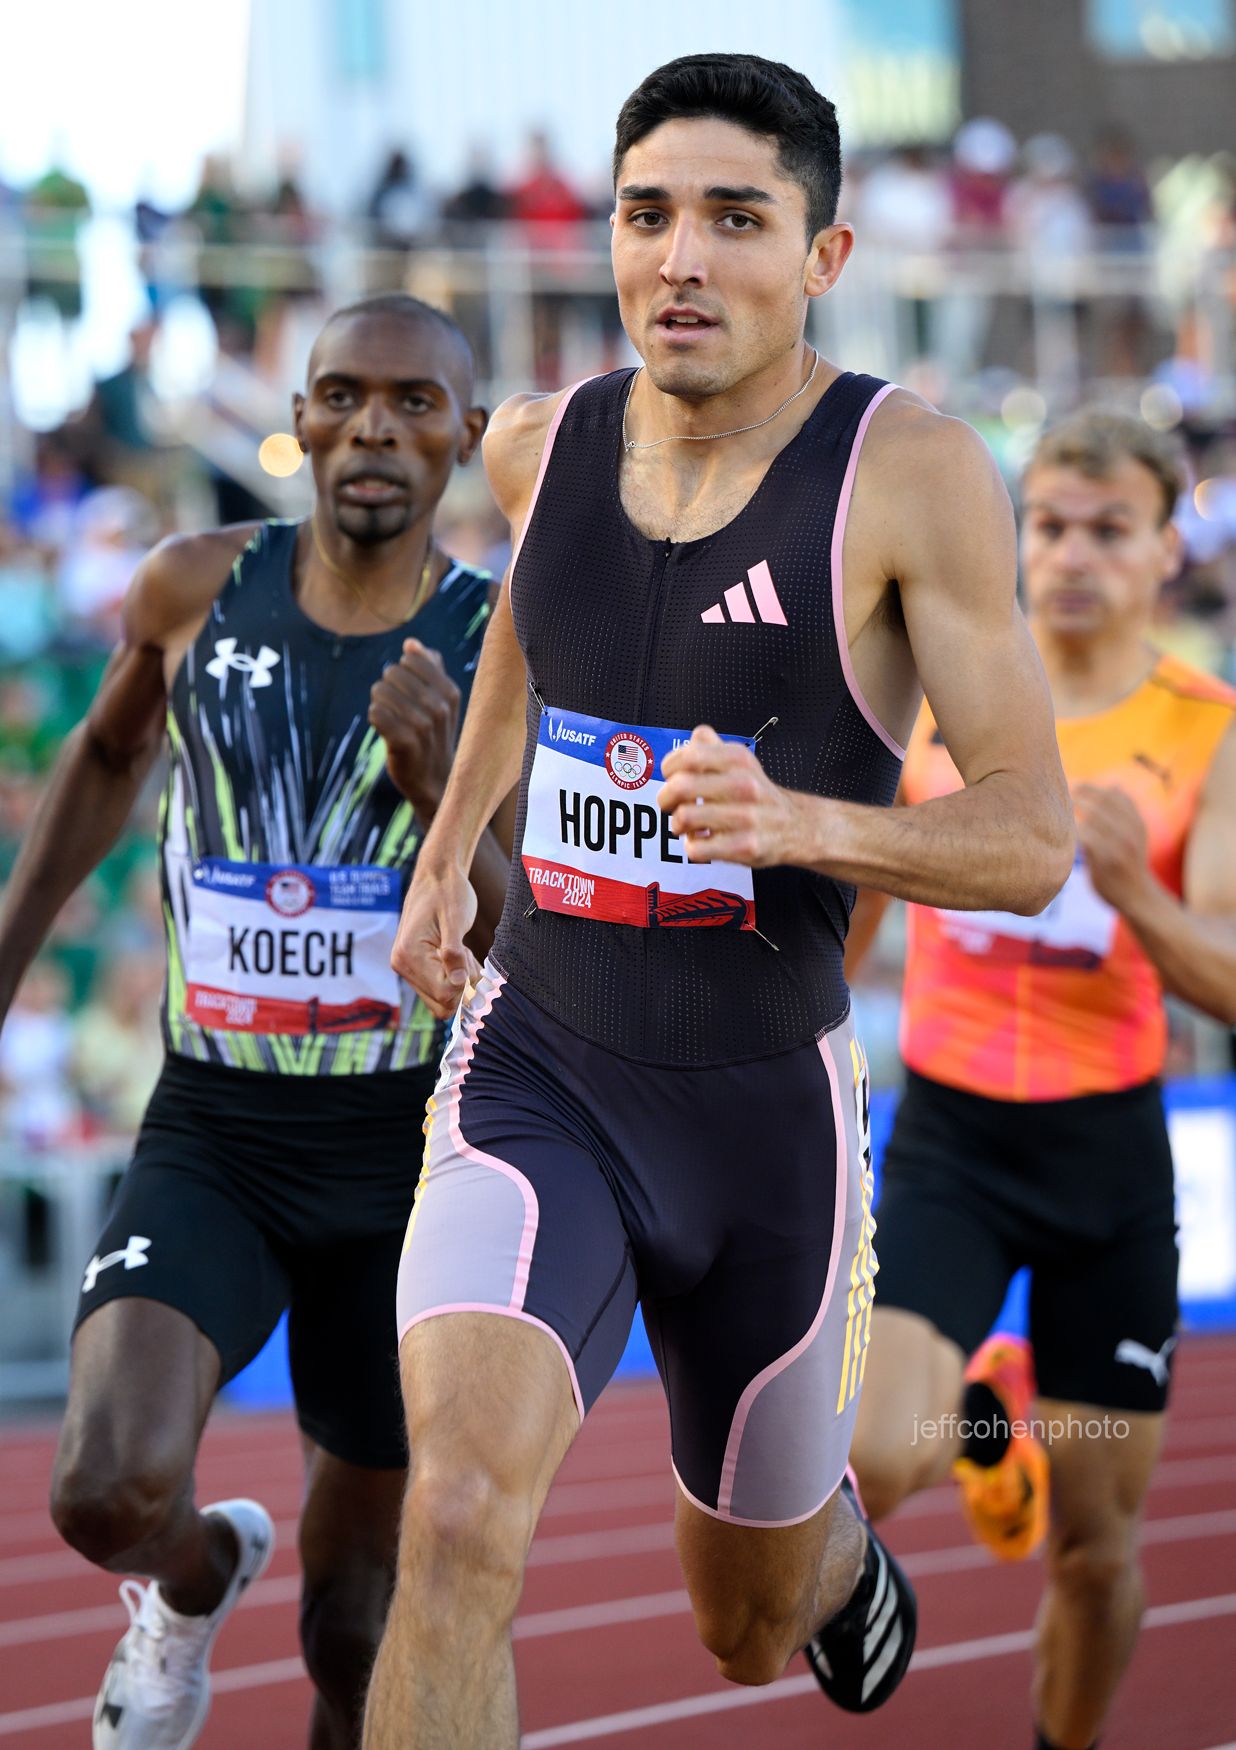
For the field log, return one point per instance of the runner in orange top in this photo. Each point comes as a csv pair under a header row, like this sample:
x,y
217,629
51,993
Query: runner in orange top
x,y
1032,1128
1069,1002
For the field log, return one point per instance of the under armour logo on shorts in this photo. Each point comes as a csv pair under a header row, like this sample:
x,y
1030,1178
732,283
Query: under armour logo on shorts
x,y
132,1256
256,667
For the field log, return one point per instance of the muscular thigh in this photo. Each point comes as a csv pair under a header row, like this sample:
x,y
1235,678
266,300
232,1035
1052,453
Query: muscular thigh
x,y
142,1378
1103,1302
343,1349
764,1192
515,1213
349,1527
181,1232
947,1229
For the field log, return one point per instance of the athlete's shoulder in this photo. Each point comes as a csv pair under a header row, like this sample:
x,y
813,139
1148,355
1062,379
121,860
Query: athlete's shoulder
x,y
918,447
1193,684
177,580
513,445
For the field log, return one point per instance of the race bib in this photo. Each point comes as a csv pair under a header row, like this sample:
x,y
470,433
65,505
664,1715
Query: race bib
x,y
1075,929
597,846
292,948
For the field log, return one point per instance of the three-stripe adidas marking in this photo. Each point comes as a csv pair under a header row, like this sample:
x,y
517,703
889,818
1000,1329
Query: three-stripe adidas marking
x,y
741,605
881,1643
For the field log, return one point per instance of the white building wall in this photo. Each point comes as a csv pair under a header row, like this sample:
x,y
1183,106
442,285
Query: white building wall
x,y
486,71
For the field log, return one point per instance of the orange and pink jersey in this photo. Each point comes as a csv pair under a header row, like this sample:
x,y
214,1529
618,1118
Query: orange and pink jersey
x,y
1066,1003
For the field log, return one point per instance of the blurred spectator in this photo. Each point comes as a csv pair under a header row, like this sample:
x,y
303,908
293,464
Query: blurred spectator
x,y
28,616
114,529
398,208
124,419
904,206
45,502
1121,206
550,210
1048,214
477,202
1050,222
984,153
117,1045
1118,191
38,1103
905,201
55,206
544,201
215,208
219,216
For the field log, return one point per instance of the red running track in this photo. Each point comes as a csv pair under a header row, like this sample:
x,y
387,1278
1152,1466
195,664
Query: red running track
x,y
605,1649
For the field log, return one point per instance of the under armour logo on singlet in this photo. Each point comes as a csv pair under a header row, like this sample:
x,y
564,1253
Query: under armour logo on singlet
x,y
768,607
256,667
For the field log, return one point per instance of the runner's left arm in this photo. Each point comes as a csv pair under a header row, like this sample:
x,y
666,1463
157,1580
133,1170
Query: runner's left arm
x,y
1191,942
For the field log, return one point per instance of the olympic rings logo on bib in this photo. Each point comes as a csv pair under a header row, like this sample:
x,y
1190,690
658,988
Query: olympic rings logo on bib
x,y
290,893
628,760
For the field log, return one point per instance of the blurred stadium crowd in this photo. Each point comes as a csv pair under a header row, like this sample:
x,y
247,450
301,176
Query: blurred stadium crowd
x,y
1017,282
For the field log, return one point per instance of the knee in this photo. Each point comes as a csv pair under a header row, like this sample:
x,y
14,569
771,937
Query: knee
x,y
464,1531
1093,1568
341,1621
752,1645
103,1507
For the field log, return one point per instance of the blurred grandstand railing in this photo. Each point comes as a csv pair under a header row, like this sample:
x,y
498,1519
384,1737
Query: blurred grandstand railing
x,y
956,322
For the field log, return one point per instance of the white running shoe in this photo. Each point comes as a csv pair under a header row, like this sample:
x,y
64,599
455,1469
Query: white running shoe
x,y
156,1691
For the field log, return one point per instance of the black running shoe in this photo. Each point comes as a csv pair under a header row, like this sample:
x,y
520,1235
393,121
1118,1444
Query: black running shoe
x,y
861,1654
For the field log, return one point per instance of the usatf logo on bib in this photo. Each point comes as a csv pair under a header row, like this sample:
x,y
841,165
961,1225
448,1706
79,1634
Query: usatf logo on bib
x,y
628,760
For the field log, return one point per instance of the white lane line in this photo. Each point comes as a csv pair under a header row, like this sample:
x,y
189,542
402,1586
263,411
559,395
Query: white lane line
x,y
277,1671
536,1625
929,1659
923,1564
586,1546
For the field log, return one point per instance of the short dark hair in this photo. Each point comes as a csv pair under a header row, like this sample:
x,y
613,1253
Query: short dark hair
x,y
1095,442
409,309
765,97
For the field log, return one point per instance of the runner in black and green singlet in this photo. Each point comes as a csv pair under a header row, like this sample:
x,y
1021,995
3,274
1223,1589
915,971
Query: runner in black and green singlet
x,y
307,679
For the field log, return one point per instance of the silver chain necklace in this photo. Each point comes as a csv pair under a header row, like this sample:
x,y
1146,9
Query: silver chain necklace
x,y
708,437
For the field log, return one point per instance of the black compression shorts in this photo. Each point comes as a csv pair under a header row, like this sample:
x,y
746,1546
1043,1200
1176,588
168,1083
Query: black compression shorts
x,y
562,1181
1080,1190
255,1192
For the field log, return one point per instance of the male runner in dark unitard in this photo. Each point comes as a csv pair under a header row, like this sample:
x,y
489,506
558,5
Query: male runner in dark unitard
x,y
308,677
654,1091
1032,1129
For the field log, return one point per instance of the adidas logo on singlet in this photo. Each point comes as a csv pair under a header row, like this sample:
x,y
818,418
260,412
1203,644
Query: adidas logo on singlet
x,y
767,606
256,667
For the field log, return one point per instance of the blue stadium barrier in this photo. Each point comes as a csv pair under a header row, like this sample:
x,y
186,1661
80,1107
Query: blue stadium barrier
x,y
1202,1118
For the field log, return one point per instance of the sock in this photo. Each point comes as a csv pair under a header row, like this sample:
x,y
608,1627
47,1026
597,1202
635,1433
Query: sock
x,y
854,1610
990,1434
1043,1742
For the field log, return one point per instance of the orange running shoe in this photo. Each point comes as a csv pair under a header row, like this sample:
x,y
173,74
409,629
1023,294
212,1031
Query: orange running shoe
x,y
1006,1503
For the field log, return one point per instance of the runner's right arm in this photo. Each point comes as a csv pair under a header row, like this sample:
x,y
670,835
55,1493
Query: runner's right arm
x,y
104,761
441,904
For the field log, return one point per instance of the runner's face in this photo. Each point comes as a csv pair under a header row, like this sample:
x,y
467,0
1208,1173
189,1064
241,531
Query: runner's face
x,y
384,419
1094,553
706,226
